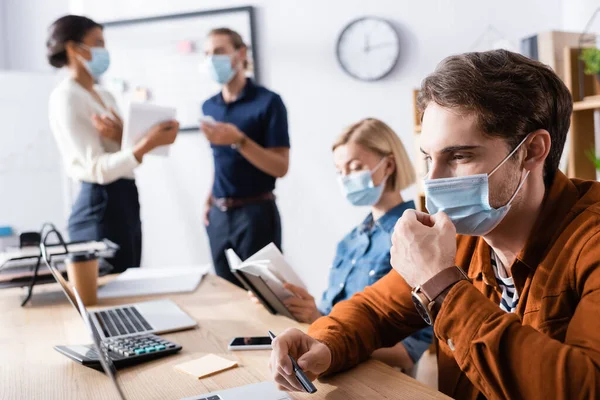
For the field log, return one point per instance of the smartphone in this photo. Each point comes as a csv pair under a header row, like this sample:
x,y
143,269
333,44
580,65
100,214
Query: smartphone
x,y
207,119
250,343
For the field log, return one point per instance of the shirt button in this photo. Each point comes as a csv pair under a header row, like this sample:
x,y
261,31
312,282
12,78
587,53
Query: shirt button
x,y
342,285
450,344
354,261
372,272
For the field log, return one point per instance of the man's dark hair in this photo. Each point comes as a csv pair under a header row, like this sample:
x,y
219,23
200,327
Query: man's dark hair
x,y
65,29
510,95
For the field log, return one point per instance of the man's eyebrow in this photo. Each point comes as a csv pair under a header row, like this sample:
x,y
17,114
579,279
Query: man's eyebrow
x,y
452,149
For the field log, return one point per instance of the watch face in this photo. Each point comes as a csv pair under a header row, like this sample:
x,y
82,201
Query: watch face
x,y
368,48
421,309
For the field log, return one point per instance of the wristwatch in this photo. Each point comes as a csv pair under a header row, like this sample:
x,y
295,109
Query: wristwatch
x,y
429,296
239,144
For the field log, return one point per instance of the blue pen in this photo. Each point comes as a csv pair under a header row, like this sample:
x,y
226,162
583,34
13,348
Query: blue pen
x,y
302,379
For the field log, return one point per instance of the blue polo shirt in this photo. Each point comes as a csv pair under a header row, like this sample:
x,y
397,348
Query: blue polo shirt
x,y
261,115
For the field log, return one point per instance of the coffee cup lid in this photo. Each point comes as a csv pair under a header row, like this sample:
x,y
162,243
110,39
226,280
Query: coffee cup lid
x,y
82,256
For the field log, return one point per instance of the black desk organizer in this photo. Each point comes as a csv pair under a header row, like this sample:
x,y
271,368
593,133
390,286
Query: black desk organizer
x,y
34,263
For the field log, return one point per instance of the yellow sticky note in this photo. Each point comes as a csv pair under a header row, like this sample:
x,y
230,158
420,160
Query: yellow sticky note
x,y
207,365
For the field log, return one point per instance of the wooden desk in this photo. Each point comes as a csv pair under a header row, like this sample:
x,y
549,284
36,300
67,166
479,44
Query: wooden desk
x,y
31,369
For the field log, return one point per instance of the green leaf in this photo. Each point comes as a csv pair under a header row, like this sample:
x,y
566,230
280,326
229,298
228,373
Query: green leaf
x,y
595,159
591,57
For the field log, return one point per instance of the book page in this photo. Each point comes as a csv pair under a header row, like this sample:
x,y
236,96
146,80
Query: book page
x,y
277,265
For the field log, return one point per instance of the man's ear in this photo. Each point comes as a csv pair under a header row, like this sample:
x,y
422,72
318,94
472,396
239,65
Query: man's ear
x,y
243,54
537,148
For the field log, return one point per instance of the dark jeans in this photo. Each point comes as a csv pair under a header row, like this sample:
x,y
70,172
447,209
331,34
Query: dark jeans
x,y
110,212
246,230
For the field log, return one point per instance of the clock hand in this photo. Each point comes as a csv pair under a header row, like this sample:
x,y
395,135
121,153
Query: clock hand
x,y
381,45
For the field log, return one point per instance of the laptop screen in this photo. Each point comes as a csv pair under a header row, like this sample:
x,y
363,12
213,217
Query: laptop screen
x,y
99,346
64,285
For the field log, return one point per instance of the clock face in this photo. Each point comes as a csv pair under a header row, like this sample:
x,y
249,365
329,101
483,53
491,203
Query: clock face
x,y
368,48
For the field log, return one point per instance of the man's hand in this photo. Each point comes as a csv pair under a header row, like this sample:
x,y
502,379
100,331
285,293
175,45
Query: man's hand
x,y
422,246
109,126
206,212
222,134
303,306
313,357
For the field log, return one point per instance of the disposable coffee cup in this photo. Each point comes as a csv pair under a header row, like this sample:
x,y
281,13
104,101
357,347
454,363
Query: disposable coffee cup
x,y
82,271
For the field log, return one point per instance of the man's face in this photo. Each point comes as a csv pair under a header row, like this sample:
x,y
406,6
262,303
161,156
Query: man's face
x,y
221,45
454,146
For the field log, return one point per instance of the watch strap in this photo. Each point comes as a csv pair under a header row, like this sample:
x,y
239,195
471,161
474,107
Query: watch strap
x,y
240,143
435,286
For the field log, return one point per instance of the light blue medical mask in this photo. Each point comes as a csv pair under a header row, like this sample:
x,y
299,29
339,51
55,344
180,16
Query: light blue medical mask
x,y
220,69
465,199
359,189
99,63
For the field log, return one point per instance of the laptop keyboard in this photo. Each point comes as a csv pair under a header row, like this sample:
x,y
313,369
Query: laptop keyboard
x,y
122,321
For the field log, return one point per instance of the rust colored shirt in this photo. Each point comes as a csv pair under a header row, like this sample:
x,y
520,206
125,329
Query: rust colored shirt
x,y
549,348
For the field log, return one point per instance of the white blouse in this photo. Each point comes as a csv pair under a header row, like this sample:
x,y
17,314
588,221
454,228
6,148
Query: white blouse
x,y
87,156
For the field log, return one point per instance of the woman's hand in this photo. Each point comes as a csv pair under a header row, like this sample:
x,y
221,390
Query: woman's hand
x,y
163,134
160,134
109,126
253,298
396,356
303,306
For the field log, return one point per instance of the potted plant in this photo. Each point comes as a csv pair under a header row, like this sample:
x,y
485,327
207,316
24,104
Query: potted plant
x,y
591,57
595,159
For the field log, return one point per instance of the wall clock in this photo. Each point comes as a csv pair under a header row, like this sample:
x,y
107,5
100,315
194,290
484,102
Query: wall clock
x,y
368,48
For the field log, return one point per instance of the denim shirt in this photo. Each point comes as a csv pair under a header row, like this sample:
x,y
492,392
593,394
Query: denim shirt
x,y
362,258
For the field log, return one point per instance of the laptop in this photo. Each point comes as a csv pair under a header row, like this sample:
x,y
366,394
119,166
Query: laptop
x,y
156,316
258,391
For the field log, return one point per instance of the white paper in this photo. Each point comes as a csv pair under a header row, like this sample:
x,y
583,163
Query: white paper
x,y
270,264
276,264
34,251
233,259
149,281
140,118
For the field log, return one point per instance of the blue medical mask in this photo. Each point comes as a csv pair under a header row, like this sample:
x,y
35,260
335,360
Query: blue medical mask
x,y
465,199
359,189
220,69
99,63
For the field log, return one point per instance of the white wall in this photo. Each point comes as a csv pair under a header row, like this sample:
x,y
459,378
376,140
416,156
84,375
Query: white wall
x,y
25,31
2,38
297,55
31,175
576,14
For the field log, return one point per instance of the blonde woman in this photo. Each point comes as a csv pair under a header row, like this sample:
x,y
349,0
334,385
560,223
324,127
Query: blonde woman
x,y
373,168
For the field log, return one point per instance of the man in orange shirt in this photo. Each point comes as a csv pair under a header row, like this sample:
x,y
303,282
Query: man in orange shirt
x,y
514,299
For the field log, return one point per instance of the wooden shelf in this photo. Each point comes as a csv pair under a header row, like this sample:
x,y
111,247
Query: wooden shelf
x,y
587,104
581,135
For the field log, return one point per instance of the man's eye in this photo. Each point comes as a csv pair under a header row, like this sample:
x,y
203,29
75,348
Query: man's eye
x,y
460,157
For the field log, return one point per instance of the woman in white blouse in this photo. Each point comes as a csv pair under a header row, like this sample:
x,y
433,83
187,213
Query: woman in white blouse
x,y
88,130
